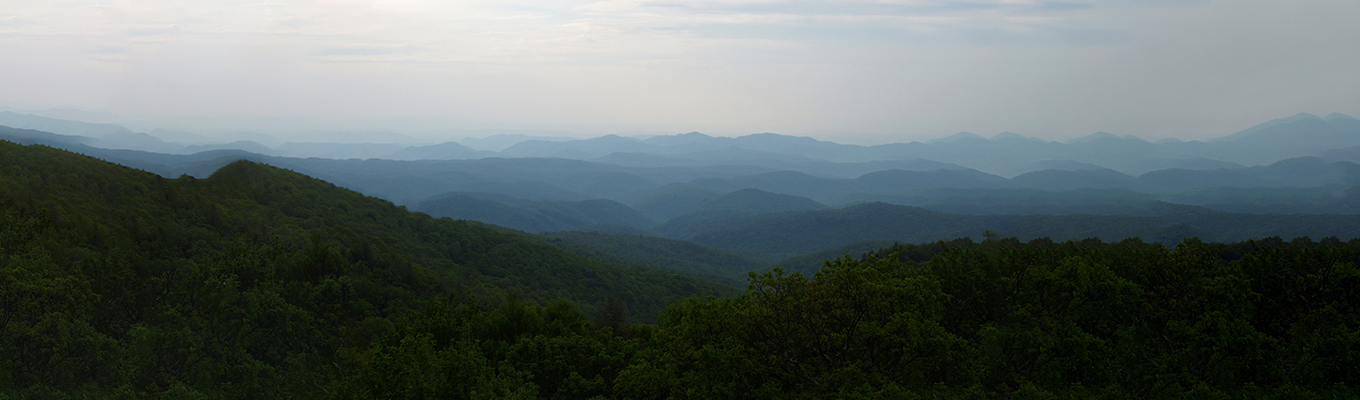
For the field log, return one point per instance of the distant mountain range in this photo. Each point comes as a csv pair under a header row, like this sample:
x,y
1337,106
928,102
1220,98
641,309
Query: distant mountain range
x,y
737,204
731,193
652,187
1006,154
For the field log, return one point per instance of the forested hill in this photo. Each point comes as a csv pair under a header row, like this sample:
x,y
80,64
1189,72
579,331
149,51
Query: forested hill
x,y
260,283
115,256
781,235
1005,319
101,207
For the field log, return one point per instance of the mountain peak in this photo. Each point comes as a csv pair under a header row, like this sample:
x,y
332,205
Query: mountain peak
x,y
612,138
1268,124
1309,122
1300,117
1008,135
1093,137
1337,116
957,137
773,135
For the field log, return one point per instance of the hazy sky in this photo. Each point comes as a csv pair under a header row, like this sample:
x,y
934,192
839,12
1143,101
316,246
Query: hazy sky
x,y
849,71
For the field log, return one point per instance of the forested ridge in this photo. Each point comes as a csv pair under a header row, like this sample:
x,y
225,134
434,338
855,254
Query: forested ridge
x,y
658,253
1010,319
781,235
261,283
118,278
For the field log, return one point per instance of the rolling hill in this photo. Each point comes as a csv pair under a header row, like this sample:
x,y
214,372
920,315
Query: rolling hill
x,y
678,256
534,216
101,209
782,235
734,206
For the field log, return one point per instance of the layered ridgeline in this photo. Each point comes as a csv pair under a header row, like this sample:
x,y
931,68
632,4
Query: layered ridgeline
x,y
769,227
537,216
1006,153
659,253
1316,153
777,236
1084,201
259,283
119,278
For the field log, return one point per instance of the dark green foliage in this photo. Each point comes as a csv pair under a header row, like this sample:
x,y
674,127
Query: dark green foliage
x,y
253,283
1008,319
517,350
613,315
260,283
810,263
657,253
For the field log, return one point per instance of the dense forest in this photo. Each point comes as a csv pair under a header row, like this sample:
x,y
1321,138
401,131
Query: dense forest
x,y
258,282
96,254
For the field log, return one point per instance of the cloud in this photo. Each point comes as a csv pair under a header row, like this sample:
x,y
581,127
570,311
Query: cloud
x,y
855,22
522,16
775,64
368,49
16,21
110,48
155,30
625,31
880,8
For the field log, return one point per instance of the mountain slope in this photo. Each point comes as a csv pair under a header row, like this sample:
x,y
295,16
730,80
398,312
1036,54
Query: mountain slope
x,y
259,282
892,181
102,208
29,136
1299,135
782,235
59,126
1023,201
442,151
732,207
536,217
1053,179
783,182
670,201
679,256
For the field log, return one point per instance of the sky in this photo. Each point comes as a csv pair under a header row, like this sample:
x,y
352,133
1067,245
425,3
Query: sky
x,y
860,72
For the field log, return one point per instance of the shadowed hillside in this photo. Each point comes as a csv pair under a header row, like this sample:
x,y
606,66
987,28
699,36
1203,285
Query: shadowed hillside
x,y
537,217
